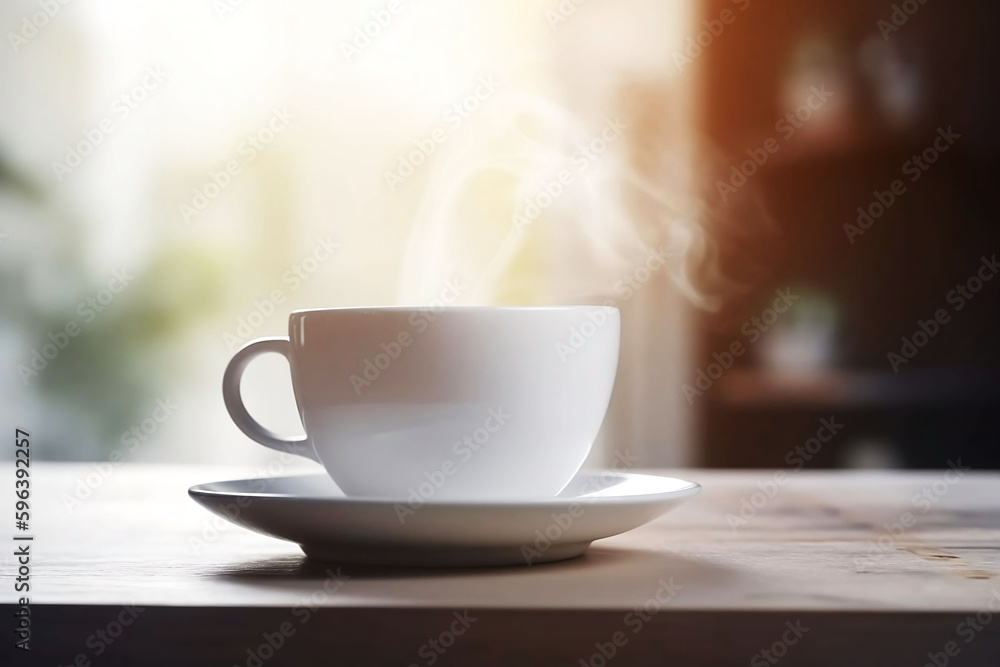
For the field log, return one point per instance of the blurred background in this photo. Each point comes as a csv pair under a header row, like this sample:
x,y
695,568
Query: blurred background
x,y
790,202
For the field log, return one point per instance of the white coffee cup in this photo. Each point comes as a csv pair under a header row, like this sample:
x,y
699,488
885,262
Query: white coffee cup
x,y
453,403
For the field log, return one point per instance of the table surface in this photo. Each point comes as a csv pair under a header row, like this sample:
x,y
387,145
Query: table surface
x,y
894,560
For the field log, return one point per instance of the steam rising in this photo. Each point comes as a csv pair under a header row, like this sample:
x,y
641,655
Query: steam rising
x,y
534,206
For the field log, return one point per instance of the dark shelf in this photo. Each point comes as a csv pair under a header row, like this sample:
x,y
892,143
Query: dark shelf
x,y
857,389
833,172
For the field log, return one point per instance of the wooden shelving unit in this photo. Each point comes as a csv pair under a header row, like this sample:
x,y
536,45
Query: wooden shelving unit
x,y
846,389
901,270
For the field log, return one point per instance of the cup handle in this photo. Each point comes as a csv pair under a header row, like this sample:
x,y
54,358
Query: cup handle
x,y
234,400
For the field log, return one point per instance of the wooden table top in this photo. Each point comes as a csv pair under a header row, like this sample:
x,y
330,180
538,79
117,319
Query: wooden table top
x,y
833,568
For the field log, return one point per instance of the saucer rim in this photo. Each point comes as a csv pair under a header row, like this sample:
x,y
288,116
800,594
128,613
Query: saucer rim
x,y
450,309
691,489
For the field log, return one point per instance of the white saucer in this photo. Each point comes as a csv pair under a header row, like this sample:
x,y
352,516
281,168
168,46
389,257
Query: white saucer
x,y
312,511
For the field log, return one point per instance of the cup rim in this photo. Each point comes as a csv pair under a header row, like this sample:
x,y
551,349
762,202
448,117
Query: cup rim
x,y
454,309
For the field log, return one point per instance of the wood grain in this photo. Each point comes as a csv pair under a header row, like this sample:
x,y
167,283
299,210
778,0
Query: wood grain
x,y
828,550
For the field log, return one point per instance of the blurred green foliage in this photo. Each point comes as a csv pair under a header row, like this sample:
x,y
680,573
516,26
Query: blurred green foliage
x,y
109,374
